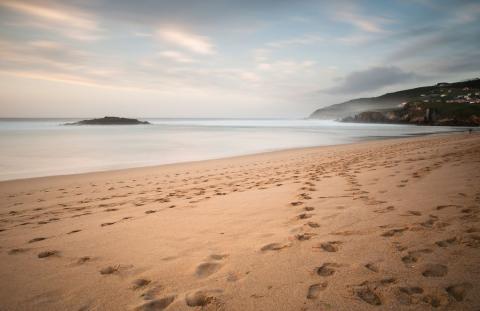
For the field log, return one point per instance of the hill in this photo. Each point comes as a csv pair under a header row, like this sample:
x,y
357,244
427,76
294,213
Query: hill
x,y
390,100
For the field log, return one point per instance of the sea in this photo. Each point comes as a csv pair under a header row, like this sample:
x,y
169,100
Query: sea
x,y
45,147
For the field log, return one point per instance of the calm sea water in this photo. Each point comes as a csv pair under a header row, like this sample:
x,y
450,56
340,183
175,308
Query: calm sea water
x,y
42,147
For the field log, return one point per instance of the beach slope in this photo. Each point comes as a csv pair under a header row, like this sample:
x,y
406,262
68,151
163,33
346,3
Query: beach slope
x,y
390,224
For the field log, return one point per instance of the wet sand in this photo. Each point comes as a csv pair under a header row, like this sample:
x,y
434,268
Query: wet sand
x,y
391,224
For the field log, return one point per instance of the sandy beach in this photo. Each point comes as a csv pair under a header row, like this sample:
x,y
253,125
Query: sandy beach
x,y
388,225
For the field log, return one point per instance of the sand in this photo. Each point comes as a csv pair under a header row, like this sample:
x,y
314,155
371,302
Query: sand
x,y
390,224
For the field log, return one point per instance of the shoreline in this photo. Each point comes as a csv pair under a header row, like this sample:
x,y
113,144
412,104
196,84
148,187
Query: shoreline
x,y
392,223
156,166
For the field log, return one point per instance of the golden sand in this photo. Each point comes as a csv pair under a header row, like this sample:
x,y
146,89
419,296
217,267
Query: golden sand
x,y
390,224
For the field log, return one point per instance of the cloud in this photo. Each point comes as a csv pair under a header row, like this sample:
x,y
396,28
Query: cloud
x,y
176,56
192,42
286,67
300,40
444,40
68,21
355,39
40,52
460,62
372,79
53,61
372,24
467,13
205,14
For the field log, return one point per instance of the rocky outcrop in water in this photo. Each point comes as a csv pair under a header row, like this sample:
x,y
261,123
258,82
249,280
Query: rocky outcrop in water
x,y
109,121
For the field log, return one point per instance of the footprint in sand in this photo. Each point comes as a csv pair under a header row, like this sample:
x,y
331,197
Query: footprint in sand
x,y
413,256
16,251
393,232
327,269
372,267
110,270
432,300
83,260
74,231
151,293
157,304
440,207
472,240
367,290
430,222
447,242
274,247
331,246
304,216
206,269
412,213
304,236
305,196
315,290
201,298
313,224
107,224
385,210
369,296
459,291
407,295
434,270
140,283
46,254
472,230
36,240
218,256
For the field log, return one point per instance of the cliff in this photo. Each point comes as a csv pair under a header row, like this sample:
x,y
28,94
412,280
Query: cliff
x,y
391,100
421,113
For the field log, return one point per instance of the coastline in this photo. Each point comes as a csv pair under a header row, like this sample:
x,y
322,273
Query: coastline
x,y
226,158
391,222
36,149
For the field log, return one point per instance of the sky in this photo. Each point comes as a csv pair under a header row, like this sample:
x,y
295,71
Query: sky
x,y
236,59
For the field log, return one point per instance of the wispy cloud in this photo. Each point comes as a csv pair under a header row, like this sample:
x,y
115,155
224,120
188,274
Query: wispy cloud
x,y
40,52
443,41
300,40
460,62
176,56
372,79
467,13
67,21
355,39
190,41
350,14
53,61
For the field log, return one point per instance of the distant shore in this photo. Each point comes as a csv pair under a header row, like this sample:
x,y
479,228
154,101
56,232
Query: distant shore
x,y
28,145
390,223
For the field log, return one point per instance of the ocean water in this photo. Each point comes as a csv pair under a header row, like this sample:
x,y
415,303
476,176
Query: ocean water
x,y
44,147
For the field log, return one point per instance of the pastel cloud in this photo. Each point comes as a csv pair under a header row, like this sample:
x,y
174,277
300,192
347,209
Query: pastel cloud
x,y
68,21
300,40
189,41
264,50
176,56
371,24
